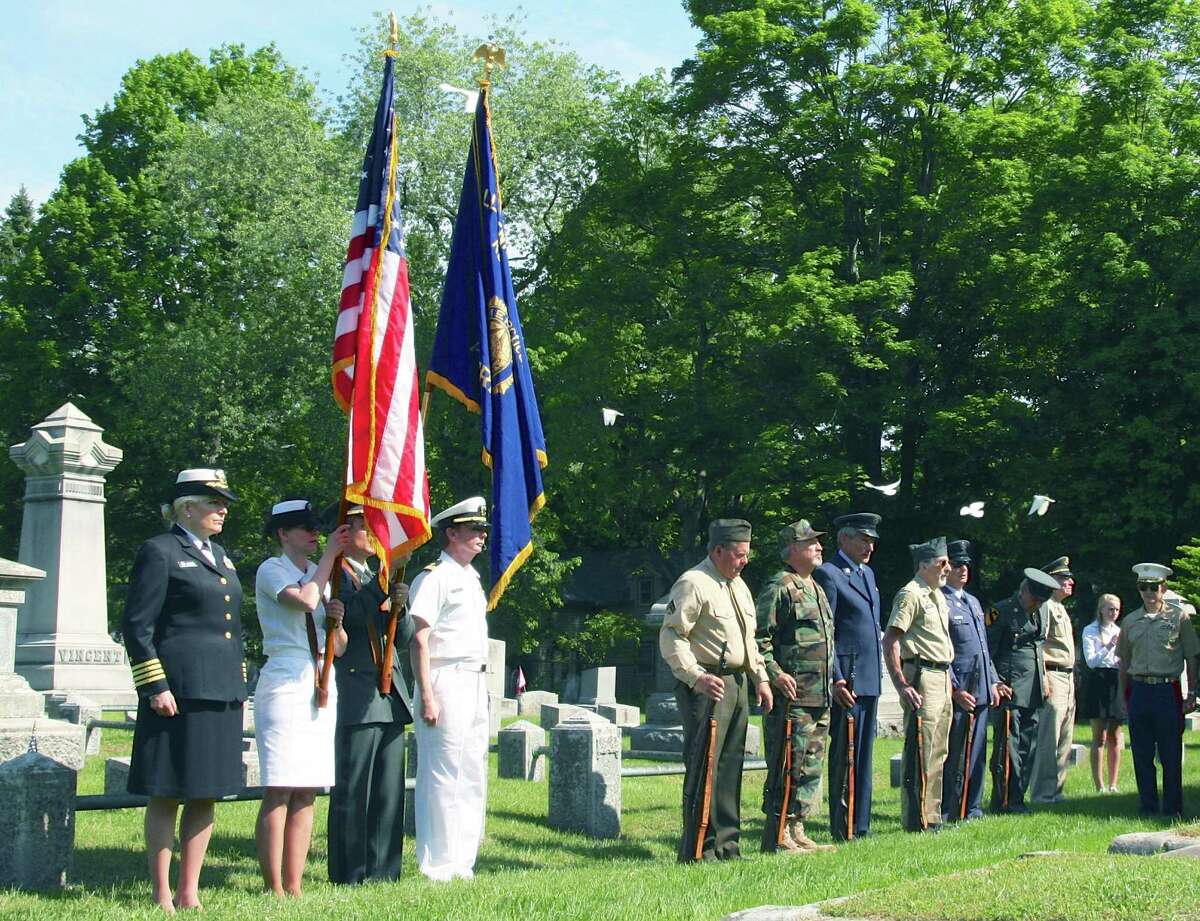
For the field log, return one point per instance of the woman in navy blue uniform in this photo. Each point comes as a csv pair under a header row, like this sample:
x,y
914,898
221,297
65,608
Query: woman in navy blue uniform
x,y
183,631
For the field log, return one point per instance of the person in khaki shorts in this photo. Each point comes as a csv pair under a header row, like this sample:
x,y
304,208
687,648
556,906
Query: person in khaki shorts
x,y
918,653
1056,722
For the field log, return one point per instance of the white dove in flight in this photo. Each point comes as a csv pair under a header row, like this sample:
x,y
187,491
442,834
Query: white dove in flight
x,y
471,96
973,509
610,415
1040,505
888,489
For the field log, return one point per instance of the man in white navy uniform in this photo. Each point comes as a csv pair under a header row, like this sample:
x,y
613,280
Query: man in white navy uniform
x,y
449,655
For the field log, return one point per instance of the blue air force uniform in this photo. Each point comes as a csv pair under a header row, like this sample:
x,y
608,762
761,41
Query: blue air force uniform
x,y
854,598
183,632
973,672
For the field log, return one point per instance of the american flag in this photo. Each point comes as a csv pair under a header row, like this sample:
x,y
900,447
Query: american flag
x,y
374,359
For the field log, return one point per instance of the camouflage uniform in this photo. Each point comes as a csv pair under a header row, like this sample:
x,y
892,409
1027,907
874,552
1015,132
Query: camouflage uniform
x,y
795,635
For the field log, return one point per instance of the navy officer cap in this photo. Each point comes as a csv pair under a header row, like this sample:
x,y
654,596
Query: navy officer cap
x,y
863,522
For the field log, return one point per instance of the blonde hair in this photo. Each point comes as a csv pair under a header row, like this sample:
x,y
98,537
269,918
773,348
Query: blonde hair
x,y
1107,596
173,511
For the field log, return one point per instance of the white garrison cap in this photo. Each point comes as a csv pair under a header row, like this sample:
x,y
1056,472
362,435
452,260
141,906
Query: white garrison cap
x,y
471,511
1152,572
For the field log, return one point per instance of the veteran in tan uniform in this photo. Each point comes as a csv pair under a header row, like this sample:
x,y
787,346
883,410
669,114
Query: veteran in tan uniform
x,y
1056,722
918,653
1157,642
711,610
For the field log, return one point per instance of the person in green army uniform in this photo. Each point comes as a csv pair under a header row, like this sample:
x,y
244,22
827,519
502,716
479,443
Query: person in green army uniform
x,y
366,803
795,638
711,610
919,654
1016,634
1056,722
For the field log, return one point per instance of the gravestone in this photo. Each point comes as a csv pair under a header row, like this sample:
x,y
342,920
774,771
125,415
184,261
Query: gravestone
x,y
598,686
23,721
116,772
889,715
37,822
585,776
530,703
516,747
62,639
553,714
499,706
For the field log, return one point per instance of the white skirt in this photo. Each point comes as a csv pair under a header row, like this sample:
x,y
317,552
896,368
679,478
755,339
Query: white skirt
x,y
294,738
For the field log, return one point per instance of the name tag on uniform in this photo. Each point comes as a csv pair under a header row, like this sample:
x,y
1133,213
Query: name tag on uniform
x,y
188,564
456,589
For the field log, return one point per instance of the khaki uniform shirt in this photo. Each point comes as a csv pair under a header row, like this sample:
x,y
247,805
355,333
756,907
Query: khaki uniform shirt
x,y
921,614
1157,645
706,610
1060,638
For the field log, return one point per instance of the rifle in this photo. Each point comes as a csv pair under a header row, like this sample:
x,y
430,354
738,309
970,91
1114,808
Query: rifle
x,y
850,758
781,791
1007,753
966,771
698,800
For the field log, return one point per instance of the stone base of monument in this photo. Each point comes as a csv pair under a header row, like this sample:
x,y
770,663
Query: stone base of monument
x,y
1078,755
517,745
116,773
75,708
56,739
553,714
665,743
585,776
37,822
531,702
1191,722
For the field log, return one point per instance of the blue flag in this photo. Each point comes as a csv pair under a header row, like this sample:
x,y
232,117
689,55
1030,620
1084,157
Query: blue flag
x,y
479,358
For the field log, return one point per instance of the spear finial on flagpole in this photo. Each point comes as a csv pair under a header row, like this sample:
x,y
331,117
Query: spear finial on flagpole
x,y
393,36
492,56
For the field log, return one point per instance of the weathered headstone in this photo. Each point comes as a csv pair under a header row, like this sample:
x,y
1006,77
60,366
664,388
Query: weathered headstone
x,y
598,686
623,715
889,715
23,722
495,667
116,772
75,708
585,776
530,703
516,745
37,822
62,638
553,714
1078,755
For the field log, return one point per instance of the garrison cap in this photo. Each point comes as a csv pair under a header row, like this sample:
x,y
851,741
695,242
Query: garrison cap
x,y
1041,584
729,531
201,481
863,522
800,532
1152,572
1060,567
930,550
470,512
291,513
959,551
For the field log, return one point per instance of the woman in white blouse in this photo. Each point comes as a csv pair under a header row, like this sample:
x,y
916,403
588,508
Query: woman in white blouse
x,y
294,736
1101,700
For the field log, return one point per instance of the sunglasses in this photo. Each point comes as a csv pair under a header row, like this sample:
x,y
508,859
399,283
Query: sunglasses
x,y
1149,586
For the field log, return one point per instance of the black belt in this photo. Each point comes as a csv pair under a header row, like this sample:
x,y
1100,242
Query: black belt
x,y
1155,679
927,663
722,673
1060,668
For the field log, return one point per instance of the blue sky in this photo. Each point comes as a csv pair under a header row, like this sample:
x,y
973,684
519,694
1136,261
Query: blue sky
x,y
62,58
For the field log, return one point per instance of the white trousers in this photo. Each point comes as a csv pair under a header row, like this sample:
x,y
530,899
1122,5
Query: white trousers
x,y
451,793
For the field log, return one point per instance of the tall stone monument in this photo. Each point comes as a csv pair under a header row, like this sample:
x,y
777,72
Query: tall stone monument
x,y
63,644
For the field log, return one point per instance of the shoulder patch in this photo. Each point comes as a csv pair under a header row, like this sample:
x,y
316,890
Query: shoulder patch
x,y
991,616
431,566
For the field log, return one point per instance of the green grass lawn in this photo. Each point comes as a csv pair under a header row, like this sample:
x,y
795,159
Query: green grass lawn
x,y
527,871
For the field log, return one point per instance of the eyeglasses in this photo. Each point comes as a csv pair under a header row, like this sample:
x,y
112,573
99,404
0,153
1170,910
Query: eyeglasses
x,y
1149,586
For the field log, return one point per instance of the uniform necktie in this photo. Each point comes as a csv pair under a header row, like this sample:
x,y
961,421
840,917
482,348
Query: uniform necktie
x,y
206,549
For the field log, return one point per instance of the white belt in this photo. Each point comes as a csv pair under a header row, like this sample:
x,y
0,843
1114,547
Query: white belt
x,y
462,665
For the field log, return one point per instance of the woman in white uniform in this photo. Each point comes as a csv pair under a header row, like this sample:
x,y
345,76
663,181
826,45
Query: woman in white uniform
x,y
295,738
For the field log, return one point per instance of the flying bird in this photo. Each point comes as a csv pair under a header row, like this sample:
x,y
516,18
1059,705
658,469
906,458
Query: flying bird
x,y
610,415
1040,505
888,489
973,509
471,96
